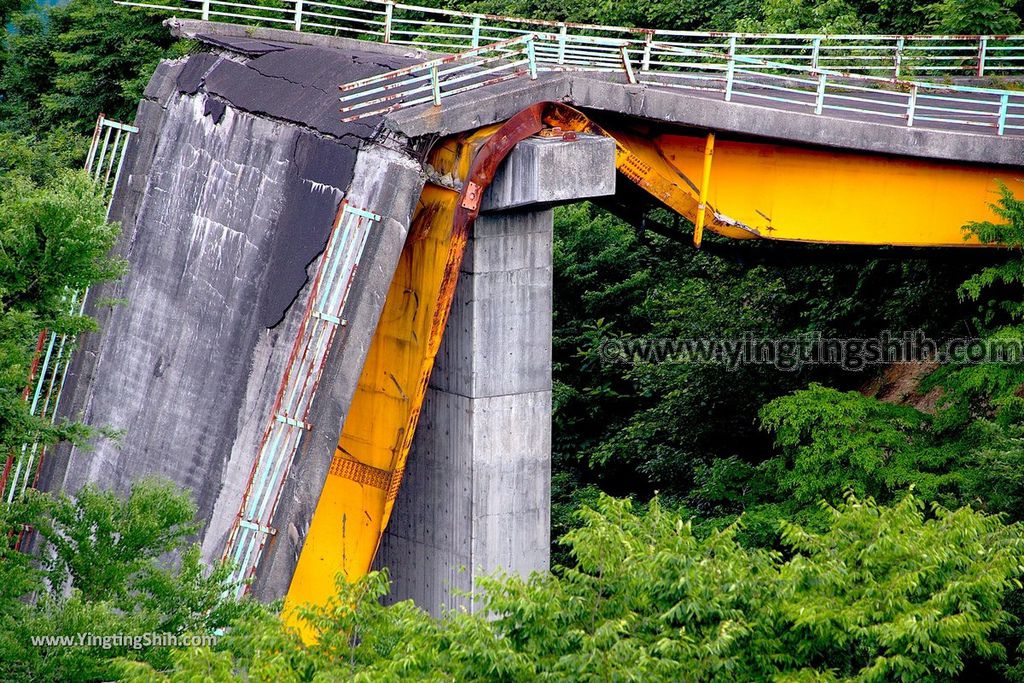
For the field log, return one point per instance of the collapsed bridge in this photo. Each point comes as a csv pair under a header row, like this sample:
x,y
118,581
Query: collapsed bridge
x,y
337,328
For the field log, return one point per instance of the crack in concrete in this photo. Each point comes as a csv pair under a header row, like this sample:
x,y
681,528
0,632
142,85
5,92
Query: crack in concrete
x,y
251,65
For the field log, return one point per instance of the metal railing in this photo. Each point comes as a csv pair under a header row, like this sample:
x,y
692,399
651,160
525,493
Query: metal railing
x,y
49,369
896,56
826,91
736,78
288,420
430,81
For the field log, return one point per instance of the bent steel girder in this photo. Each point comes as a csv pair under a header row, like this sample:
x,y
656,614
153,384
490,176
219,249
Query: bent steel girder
x,y
819,196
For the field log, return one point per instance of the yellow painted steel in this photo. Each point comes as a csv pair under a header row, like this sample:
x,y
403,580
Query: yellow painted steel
x,y
366,471
705,181
752,190
784,192
797,193
815,195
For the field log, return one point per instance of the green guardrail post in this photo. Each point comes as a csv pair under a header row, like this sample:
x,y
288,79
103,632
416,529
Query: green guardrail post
x,y
819,100
476,33
531,55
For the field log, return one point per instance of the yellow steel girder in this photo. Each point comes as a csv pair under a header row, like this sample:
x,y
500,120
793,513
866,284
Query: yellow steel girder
x,y
367,467
768,190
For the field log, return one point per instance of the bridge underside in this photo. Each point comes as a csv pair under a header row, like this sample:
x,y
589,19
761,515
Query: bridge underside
x,y
314,393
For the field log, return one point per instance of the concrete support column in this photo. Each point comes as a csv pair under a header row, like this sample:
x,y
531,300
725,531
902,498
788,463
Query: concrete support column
x,y
477,488
476,494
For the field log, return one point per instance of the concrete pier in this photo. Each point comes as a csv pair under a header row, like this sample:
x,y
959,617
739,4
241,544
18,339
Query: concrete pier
x,y
476,493
226,201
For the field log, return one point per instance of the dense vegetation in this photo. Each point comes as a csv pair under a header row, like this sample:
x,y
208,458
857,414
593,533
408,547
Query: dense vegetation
x,y
54,238
646,599
100,572
781,16
766,524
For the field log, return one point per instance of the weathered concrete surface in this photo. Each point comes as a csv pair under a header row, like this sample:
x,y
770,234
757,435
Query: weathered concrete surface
x,y
536,173
476,493
389,184
227,198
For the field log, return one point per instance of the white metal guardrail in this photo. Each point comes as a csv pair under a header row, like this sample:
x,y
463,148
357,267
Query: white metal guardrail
x,y
53,351
895,56
826,91
753,80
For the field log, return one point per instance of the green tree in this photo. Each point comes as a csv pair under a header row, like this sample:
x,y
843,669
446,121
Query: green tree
x,y
54,239
66,64
973,16
103,568
883,593
829,442
632,428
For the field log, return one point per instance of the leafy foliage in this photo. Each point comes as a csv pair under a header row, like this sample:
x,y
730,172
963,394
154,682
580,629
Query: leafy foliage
x,y
1009,232
66,64
54,238
884,593
973,16
103,570
833,441
633,429
782,16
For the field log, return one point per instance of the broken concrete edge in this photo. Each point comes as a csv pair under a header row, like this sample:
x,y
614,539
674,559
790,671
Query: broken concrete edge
x,y
194,29
608,93
388,183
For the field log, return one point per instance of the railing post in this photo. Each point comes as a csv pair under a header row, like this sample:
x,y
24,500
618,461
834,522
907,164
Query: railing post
x,y
95,143
645,64
476,32
561,43
531,55
630,76
730,69
435,84
897,60
298,15
819,101
206,10
389,15
982,49
1004,104
911,105
815,52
